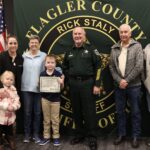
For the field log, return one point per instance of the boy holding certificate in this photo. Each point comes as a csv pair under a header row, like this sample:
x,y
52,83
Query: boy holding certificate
x,y
51,82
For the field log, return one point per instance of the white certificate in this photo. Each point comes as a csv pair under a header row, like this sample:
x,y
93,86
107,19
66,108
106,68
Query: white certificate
x,y
49,84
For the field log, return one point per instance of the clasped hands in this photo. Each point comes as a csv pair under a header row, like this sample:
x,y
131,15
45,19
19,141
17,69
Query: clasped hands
x,y
123,84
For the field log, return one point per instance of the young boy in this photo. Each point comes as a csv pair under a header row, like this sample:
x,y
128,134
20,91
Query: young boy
x,y
51,103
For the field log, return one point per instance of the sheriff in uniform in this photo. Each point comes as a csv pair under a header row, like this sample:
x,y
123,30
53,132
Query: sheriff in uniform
x,y
82,66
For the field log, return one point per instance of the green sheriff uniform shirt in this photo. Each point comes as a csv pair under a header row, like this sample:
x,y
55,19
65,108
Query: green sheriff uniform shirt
x,y
84,61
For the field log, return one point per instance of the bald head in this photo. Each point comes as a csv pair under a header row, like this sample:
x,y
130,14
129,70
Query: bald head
x,y
125,33
79,29
79,36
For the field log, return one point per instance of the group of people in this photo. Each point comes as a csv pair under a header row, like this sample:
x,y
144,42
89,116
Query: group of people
x,y
82,68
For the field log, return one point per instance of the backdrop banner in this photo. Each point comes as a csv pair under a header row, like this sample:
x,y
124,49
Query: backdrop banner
x,y
53,21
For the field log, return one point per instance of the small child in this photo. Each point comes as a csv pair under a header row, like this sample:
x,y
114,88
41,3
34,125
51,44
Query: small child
x,y
51,103
9,103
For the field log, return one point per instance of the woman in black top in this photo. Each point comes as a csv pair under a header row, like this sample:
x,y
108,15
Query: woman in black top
x,y
11,60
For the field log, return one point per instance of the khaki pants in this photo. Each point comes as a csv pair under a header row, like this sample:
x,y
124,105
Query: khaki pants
x,y
51,118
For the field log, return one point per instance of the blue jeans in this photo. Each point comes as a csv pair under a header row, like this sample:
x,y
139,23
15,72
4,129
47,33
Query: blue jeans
x,y
32,113
133,95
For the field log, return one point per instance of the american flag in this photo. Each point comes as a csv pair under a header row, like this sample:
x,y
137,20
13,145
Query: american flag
x,y
2,28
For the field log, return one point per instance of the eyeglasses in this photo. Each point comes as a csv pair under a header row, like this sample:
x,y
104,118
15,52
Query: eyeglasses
x,y
15,43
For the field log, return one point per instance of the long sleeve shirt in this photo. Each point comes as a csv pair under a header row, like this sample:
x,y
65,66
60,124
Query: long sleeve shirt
x,y
8,117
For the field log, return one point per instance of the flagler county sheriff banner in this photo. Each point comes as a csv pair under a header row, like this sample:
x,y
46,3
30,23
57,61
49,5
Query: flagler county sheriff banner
x,y
53,21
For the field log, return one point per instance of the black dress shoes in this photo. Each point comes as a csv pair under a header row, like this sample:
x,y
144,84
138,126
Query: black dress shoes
x,y
77,140
118,140
135,143
92,143
148,143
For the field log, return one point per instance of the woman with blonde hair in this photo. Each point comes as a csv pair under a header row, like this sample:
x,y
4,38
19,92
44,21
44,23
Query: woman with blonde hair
x,y
9,103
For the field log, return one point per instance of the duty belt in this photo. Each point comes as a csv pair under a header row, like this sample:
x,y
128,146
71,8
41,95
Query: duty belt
x,y
81,78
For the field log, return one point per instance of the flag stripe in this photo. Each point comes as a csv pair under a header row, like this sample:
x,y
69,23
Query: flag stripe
x,y
2,28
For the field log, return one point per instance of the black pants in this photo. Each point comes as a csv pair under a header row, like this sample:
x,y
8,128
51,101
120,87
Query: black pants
x,y
20,116
7,130
84,106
